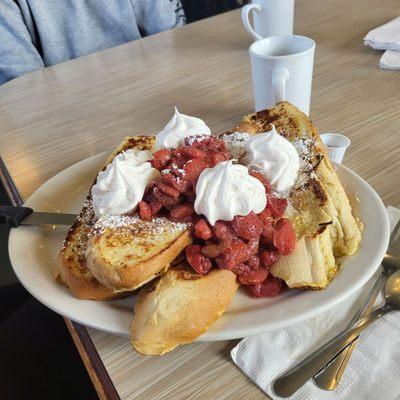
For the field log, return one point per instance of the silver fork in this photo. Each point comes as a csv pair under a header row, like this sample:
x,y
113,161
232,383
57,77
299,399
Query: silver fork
x,y
329,377
298,375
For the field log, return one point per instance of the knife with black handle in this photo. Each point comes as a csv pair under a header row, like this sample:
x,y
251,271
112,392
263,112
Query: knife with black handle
x,y
16,216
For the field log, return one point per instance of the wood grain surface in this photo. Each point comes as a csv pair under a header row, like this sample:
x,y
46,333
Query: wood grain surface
x,y
53,118
98,374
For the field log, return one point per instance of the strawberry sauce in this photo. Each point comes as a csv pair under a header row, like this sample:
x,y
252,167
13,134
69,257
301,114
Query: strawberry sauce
x,y
248,245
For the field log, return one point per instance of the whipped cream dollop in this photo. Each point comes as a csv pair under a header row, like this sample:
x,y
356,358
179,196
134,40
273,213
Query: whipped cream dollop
x,y
120,187
275,157
227,190
179,127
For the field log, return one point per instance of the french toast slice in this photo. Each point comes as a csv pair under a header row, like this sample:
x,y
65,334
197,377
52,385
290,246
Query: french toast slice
x,y
317,205
127,252
146,263
178,307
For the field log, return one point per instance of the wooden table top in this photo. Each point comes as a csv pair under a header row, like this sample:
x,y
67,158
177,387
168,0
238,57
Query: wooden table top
x,y
55,117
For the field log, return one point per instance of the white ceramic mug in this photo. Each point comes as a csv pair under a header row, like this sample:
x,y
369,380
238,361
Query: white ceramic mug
x,y
270,18
282,68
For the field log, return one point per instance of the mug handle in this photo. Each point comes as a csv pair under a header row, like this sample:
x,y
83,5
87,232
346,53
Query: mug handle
x,y
279,78
246,21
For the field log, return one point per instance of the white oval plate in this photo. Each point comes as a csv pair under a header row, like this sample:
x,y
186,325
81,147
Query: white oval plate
x,y
34,250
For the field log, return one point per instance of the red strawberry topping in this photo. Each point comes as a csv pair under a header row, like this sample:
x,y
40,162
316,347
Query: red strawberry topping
x,y
248,245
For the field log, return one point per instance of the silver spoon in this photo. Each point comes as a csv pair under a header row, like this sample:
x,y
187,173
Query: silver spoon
x,y
298,375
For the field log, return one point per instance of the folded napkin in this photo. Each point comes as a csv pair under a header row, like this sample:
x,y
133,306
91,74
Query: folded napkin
x,y
374,368
385,37
390,60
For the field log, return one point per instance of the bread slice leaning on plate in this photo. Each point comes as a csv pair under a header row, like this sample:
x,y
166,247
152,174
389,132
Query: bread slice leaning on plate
x,y
102,260
179,307
317,206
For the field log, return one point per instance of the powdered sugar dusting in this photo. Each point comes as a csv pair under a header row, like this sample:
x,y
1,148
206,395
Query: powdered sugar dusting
x,y
157,226
309,159
305,148
190,140
179,173
235,143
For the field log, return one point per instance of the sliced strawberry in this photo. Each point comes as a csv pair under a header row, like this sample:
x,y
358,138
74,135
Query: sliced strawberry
x,y
192,152
241,269
225,244
165,200
270,287
202,230
193,168
168,190
285,236
211,250
176,170
197,260
178,183
268,258
253,262
223,231
176,163
267,234
258,175
265,216
277,206
161,158
145,210
253,245
182,211
254,276
234,255
247,227
155,206
216,158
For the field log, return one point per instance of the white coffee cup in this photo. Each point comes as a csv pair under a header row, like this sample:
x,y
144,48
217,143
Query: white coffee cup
x,y
282,68
270,18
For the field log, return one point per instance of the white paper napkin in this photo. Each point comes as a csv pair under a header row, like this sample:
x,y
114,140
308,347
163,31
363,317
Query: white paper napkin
x,y
374,368
390,60
385,37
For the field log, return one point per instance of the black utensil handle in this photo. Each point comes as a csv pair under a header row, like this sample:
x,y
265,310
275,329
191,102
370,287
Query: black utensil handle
x,y
13,216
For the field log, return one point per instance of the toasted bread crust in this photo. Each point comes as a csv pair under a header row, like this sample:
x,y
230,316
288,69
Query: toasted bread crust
x,y
73,270
346,230
178,308
136,275
85,287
